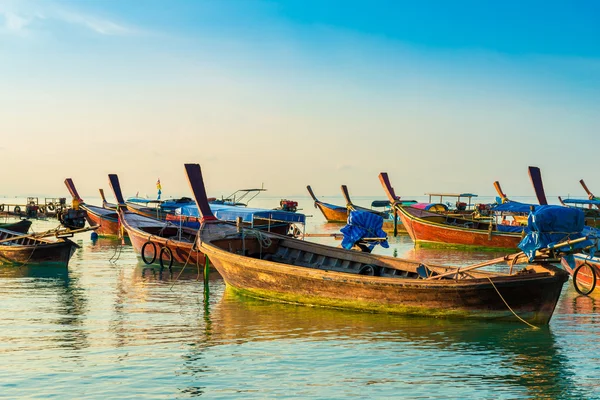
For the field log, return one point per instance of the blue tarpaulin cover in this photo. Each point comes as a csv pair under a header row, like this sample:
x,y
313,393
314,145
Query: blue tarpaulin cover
x,y
363,224
549,225
230,213
510,228
582,201
514,206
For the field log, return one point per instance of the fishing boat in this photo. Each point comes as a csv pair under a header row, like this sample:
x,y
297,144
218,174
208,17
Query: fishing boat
x,y
156,240
281,268
19,249
105,218
435,228
331,212
21,226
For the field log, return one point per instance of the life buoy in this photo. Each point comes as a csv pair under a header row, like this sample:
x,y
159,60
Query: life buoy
x,y
42,209
144,252
369,270
51,207
17,210
1,207
576,273
163,251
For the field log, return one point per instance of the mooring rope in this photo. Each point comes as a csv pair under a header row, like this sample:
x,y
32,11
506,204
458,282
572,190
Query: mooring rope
x,y
511,310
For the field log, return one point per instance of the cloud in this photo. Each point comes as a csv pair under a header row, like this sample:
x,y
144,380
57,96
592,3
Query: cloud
x,y
98,25
23,17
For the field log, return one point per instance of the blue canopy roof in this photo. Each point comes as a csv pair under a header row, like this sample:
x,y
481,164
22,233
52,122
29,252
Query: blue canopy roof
x,y
230,213
582,201
514,206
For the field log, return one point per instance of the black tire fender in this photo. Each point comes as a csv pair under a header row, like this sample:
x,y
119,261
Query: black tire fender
x,y
153,254
163,251
576,272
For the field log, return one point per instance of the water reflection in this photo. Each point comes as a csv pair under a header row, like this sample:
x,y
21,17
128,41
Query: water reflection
x,y
492,354
61,304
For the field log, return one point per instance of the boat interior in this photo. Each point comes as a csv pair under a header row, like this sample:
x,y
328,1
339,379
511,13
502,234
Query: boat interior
x,y
24,241
301,254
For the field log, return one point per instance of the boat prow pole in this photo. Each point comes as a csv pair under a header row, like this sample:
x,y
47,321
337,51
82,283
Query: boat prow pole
x,y
589,193
113,179
387,187
72,190
499,191
102,196
312,194
194,175
346,196
391,195
538,185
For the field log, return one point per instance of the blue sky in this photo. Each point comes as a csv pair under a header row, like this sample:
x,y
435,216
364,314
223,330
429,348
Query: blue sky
x,y
445,96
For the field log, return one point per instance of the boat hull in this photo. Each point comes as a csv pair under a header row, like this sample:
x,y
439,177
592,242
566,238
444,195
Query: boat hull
x,y
182,252
51,254
333,214
580,259
107,222
21,226
425,232
533,300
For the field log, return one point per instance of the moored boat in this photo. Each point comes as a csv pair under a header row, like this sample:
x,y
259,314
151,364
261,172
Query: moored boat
x,y
21,226
435,228
331,212
156,241
106,219
280,268
19,249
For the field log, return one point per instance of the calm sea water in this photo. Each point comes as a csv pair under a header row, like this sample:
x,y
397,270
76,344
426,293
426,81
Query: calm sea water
x,y
111,327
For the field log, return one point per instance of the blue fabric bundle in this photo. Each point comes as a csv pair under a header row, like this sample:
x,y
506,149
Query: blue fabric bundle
x,y
549,225
363,224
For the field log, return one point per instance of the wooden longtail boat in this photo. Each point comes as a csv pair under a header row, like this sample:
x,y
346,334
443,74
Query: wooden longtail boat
x,y
156,240
426,227
21,226
106,219
16,248
280,268
332,213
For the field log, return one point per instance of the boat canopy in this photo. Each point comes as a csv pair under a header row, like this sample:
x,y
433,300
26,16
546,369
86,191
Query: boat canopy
x,y
451,194
249,215
594,202
435,207
386,203
514,207
550,225
380,203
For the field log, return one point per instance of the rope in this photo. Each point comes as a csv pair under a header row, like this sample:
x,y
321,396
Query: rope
x,y
186,262
511,310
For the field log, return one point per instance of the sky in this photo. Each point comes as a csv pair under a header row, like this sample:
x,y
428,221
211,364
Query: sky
x,y
444,96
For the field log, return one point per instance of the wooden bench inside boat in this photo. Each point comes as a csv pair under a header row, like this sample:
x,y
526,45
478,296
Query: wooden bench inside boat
x,y
290,253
